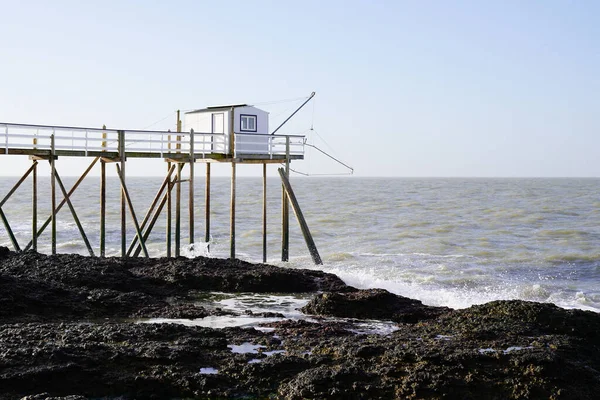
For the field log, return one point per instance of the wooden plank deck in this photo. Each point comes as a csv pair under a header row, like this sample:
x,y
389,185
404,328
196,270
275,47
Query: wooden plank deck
x,y
171,157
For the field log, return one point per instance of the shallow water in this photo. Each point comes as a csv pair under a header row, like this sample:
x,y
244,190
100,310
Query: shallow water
x,y
453,242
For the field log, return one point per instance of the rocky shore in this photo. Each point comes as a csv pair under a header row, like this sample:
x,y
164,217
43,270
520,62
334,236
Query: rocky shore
x,y
70,328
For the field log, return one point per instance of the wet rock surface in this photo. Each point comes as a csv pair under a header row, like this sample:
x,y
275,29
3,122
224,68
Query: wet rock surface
x,y
59,338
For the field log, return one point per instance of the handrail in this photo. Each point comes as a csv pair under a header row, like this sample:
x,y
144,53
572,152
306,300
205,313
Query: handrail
x,y
154,142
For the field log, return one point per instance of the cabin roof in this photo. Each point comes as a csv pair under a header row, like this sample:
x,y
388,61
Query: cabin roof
x,y
217,108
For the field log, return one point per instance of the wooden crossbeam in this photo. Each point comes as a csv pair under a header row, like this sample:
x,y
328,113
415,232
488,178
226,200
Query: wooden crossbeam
x,y
132,211
75,217
62,203
152,206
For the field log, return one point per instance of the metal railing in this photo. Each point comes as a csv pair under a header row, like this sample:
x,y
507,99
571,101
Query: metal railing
x,y
38,137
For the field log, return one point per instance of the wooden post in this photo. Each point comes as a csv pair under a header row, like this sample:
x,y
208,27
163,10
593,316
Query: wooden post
x,y
207,208
312,248
178,193
103,199
169,208
131,210
34,207
102,208
285,208
123,199
232,213
264,213
178,211
233,178
191,186
232,132
53,192
104,138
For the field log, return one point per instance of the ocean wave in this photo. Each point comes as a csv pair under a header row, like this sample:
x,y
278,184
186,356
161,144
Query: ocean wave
x,y
573,258
563,232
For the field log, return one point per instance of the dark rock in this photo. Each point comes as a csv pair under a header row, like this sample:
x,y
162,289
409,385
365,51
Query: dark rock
x,y
516,317
372,304
39,287
175,311
49,348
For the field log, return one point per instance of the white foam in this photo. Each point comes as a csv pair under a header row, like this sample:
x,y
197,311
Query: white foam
x,y
227,321
516,348
507,351
256,302
197,249
374,328
432,292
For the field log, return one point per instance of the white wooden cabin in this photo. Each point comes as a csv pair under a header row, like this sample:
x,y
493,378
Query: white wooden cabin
x,y
250,128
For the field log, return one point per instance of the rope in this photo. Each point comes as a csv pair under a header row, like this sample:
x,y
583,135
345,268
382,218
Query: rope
x,y
159,121
351,170
280,101
312,122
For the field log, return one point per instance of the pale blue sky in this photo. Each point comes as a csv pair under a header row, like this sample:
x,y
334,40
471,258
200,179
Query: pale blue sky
x,y
419,88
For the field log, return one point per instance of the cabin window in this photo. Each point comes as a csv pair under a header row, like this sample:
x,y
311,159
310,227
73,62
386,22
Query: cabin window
x,y
248,123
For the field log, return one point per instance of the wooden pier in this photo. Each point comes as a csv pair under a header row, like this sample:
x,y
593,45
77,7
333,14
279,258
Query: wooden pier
x,y
179,150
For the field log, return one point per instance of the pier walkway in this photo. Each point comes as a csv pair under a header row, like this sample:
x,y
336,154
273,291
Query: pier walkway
x,y
177,149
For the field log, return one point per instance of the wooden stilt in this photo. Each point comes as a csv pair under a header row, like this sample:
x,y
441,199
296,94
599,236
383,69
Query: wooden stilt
x,y
168,228
169,208
191,187
53,193
34,207
131,210
103,207
123,199
75,218
178,193
285,209
157,198
264,213
178,212
62,203
207,208
312,248
232,214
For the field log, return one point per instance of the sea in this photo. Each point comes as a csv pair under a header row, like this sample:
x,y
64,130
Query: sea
x,y
450,242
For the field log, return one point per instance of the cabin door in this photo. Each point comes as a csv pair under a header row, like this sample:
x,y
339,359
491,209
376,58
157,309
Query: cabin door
x,y
218,127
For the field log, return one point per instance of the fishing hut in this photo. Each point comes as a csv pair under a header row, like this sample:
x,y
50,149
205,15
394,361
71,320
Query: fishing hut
x,y
232,134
